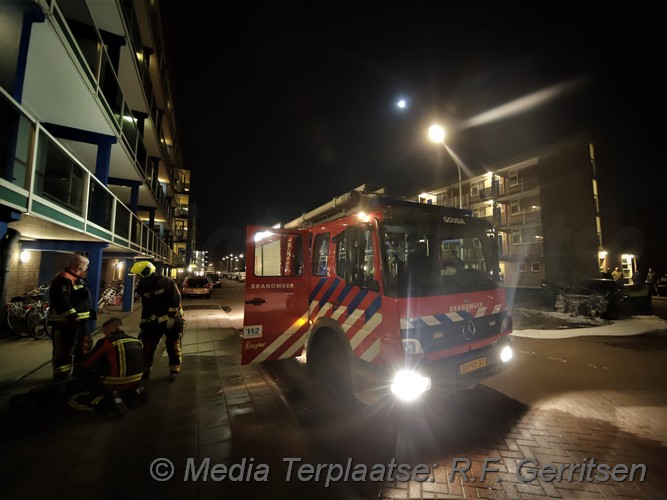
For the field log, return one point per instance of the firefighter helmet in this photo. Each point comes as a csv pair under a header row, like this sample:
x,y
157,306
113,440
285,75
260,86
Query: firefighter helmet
x,y
143,268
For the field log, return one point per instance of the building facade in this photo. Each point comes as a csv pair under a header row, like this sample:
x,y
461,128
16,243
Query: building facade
x,y
545,206
89,153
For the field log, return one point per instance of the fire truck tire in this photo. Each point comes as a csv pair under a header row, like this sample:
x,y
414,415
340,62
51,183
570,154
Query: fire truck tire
x,y
331,367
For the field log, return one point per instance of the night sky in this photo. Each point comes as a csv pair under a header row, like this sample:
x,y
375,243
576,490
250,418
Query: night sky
x,y
281,108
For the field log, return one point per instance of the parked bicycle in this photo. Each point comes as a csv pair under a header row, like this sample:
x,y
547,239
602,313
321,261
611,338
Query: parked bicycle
x,y
109,293
26,314
37,320
15,317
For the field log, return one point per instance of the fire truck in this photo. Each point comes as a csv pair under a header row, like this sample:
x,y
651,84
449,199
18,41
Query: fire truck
x,y
373,287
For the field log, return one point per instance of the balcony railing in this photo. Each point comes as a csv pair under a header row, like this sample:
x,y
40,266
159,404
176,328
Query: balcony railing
x,y
520,218
486,194
102,77
42,178
520,187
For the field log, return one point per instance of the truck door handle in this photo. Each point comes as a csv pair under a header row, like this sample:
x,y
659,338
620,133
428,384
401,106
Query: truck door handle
x,y
255,302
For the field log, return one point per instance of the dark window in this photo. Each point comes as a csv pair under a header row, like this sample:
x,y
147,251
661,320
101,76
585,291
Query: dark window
x,y
196,282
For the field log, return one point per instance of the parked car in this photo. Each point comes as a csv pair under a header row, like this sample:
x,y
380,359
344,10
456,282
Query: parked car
x,y
215,279
241,276
605,298
199,286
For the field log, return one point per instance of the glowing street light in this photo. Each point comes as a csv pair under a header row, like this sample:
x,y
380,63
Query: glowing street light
x,y
437,134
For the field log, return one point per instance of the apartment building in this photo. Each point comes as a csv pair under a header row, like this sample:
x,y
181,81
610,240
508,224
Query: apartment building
x,y
89,152
546,209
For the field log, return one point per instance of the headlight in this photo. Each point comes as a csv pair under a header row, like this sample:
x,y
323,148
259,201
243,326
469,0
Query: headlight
x,y
409,385
506,354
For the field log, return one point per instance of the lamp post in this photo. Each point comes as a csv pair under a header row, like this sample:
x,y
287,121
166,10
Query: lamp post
x,y
437,134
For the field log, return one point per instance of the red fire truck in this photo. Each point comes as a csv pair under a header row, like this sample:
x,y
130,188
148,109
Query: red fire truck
x,y
372,287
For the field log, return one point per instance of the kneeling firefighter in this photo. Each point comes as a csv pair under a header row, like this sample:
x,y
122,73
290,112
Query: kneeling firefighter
x,y
161,314
111,374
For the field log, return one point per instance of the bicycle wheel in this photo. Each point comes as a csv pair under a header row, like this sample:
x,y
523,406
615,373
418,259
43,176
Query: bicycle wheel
x,y
36,324
16,321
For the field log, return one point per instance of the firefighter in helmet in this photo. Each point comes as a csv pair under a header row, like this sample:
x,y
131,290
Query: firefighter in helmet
x,y
161,314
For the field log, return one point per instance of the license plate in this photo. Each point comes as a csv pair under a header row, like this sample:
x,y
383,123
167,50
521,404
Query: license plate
x,y
471,366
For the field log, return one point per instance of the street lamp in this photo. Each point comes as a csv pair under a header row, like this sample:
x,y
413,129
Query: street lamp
x,y
437,134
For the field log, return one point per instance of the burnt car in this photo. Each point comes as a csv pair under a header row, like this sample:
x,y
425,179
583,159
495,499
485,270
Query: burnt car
x,y
661,286
604,298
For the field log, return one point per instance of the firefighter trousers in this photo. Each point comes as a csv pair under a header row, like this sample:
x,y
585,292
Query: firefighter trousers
x,y
150,336
99,397
71,342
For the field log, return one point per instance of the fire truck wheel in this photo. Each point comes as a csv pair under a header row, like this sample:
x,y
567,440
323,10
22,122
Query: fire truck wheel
x,y
331,367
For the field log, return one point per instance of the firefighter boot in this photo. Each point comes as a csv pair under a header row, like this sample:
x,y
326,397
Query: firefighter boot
x,y
117,403
173,373
137,397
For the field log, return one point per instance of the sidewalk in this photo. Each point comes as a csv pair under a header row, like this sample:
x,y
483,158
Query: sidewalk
x,y
67,454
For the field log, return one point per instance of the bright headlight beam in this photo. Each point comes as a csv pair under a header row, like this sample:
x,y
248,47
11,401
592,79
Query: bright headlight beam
x,y
408,385
506,354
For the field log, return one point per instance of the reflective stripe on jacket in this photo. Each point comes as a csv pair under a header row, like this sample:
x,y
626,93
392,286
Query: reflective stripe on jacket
x,y
160,299
69,296
118,357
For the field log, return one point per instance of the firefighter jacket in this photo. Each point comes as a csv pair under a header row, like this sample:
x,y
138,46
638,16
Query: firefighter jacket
x,y
69,298
118,358
160,299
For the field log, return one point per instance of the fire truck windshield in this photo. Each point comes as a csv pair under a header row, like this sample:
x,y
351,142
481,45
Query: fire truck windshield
x,y
438,255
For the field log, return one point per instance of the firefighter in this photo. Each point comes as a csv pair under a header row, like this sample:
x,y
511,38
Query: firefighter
x,y
112,373
161,314
70,310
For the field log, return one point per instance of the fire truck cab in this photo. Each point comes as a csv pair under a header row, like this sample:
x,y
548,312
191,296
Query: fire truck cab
x,y
373,287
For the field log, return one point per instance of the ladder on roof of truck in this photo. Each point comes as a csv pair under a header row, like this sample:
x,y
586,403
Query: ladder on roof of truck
x,y
337,207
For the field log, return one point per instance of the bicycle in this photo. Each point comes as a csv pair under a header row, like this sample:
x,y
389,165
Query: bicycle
x,y
37,320
26,315
15,317
109,294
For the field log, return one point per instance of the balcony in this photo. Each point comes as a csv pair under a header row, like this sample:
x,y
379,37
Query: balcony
x,y
510,250
524,188
88,82
486,194
58,196
521,218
